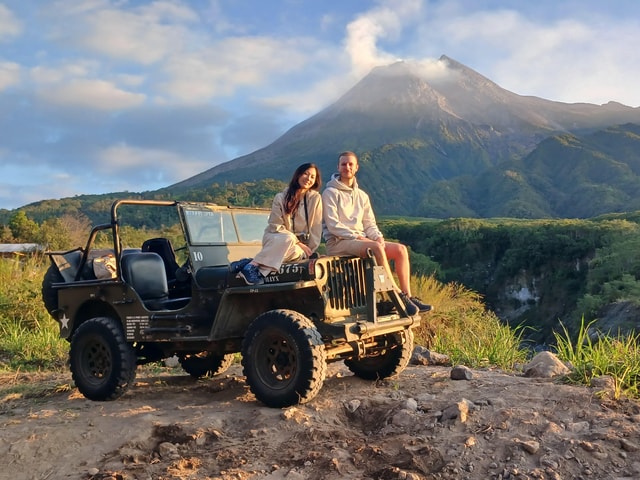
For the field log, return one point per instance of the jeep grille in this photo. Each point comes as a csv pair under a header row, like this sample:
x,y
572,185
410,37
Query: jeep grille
x,y
346,283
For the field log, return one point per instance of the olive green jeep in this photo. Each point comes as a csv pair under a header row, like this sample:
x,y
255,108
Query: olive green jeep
x,y
128,305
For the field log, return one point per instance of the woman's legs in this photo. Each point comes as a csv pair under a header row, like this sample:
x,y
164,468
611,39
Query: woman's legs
x,y
276,249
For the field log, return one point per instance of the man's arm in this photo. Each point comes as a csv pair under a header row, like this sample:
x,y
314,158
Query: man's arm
x,y
369,220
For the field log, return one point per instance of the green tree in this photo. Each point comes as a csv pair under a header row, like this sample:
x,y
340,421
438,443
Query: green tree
x,y
23,228
53,235
5,234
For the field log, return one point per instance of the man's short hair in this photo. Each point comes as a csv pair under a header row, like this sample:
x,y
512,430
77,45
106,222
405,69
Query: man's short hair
x,y
348,153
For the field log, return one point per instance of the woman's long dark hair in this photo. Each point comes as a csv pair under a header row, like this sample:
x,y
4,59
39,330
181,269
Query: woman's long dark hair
x,y
294,193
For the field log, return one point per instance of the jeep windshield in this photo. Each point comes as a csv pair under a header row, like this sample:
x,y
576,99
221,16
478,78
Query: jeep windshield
x,y
210,225
219,235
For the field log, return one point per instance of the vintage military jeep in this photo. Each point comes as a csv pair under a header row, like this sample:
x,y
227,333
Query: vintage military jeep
x,y
132,304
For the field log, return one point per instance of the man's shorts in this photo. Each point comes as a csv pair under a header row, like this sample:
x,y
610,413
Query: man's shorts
x,y
347,246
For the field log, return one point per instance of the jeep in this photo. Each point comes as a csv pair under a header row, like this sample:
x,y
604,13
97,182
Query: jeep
x,y
131,304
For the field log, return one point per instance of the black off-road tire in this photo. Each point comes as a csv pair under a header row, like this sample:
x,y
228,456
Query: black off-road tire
x,y
103,365
206,364
283,358
391,362
49,294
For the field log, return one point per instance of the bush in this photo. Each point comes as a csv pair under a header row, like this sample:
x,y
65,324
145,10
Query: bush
x,y
593,354
461,327
28,335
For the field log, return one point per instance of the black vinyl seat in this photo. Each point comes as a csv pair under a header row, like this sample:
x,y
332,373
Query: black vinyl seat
x,y
163,247
145,273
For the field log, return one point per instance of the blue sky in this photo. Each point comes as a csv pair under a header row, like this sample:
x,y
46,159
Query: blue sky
x,y
100,96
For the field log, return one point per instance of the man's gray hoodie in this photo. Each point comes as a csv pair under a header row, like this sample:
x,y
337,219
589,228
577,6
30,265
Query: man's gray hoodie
x,y
347,212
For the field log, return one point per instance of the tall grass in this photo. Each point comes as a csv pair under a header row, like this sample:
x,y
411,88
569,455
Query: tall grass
x,y
593,354
29,337
461,327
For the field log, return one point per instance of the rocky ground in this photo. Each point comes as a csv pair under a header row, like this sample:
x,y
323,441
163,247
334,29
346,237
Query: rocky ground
x,y
422,425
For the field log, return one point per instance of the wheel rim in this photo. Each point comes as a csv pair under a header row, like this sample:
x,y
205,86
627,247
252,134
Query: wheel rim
x,y
97,361
280,360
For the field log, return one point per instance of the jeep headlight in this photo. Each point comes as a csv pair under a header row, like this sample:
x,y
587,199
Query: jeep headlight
x,y
317,270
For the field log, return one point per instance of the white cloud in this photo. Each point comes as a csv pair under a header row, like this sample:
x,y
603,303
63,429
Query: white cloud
x,y
550,56
223,68
149,166
569,60
130,80
385,21
9,74
145,34
92,94
10,26
62,72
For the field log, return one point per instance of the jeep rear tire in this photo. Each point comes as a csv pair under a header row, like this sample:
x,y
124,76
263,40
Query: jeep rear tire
x,y
103,365
206,364
283,358
389,363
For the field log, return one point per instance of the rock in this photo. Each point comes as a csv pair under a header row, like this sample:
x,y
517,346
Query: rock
x,y
545,365
133,455
589,446
172,362
460,372
293,475
352,405
168,450
459,411
550,461
403,418
529,446
579,427
604,384
411,404
423,356
628,446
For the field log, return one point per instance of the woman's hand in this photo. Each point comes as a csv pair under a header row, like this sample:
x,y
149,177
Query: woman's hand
x,y
305,249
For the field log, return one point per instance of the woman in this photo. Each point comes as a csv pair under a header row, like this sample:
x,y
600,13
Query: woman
x,y
295,226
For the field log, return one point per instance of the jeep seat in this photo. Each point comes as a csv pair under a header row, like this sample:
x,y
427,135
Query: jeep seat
x,y
146,274
163,247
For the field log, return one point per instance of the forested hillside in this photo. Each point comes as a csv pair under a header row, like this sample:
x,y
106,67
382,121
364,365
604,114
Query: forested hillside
x,y
96,208
565,176
537,273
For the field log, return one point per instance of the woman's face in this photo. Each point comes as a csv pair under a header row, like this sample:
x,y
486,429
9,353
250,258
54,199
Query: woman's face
x,y
307,179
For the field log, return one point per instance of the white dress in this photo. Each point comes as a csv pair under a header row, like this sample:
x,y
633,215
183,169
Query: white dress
x,y
279,242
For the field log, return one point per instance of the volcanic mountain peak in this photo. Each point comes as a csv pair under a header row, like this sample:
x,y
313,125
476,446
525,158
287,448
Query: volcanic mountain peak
x,y
432,103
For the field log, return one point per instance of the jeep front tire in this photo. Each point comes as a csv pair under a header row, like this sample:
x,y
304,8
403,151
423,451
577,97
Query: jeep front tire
x,y
283,358
103,365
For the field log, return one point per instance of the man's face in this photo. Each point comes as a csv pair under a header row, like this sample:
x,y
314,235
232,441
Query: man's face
x,y
347,168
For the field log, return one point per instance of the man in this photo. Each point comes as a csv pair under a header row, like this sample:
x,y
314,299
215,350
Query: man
x,y
349,228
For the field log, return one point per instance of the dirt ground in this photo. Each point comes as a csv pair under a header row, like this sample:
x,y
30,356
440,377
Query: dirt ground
x,y
422,425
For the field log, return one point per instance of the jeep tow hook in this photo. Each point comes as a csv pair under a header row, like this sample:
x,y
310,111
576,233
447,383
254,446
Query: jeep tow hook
x,y
360,328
